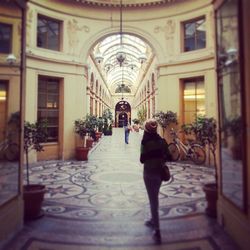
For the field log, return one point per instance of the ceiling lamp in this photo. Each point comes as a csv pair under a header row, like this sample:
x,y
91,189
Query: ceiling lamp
x,y
108,67
142,58
133,66
121,55
99,58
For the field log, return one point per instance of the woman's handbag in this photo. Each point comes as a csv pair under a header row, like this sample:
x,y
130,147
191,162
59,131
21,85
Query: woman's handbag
x,y
165,173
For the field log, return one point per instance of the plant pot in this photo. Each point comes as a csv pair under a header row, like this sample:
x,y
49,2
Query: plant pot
x,y
211,193
89,142
108,132
33,197
98,135
82,153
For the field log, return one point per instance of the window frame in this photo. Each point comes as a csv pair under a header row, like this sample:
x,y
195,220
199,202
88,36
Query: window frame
x,y
195,79
194,20
47,78
11,38
59,45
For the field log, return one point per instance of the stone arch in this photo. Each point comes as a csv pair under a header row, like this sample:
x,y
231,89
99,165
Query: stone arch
x,y
134,31
122,113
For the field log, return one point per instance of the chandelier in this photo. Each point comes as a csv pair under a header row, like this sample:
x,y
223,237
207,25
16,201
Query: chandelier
x,y
124,57
121,55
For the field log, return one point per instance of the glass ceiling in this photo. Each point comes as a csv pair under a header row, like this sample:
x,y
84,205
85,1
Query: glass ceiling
x,y
127,74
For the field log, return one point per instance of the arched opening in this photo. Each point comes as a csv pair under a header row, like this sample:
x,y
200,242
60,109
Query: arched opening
x,y
120,80
122,113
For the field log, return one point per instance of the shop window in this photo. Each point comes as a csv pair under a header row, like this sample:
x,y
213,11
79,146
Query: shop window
x,y
231,100
3,109
48,105
193,99
194,34
48,33
5,38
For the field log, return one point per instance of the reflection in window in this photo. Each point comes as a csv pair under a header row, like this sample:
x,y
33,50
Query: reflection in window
x,y
48,33
48,105
231,124
194,99
194,35
3,109
9,146
5,38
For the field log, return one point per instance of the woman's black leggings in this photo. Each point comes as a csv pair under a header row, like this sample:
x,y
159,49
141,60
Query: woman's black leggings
x,y
153,184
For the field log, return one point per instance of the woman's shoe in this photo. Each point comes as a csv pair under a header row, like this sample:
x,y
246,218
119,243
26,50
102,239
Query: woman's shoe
x,y
149,223
157,236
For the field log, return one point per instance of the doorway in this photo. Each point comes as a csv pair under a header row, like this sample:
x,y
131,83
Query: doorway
x,y
122,113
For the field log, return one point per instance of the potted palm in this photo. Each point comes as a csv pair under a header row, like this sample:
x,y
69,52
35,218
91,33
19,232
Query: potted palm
x,y
81,130
205,131
33,194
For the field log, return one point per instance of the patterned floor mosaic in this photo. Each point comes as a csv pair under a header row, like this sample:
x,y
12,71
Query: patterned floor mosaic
x,y
102,204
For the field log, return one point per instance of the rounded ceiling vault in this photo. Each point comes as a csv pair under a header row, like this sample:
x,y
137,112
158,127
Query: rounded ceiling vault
x,y
125,77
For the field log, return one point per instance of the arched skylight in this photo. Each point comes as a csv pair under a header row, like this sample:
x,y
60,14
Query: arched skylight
x,y
127,73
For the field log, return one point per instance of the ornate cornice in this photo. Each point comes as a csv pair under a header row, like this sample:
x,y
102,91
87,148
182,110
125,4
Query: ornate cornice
x,y
126,3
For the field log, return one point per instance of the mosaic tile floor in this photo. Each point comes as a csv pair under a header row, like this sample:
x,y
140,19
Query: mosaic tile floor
x,y
102,204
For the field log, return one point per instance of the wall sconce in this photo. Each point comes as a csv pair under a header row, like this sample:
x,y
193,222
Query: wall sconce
x,y
11,59
231,56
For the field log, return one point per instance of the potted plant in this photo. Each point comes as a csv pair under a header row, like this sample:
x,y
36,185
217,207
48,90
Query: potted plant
x,y
165,119
81,130
100,123
205,131
142,115
107,122
33,194
234,129
91,123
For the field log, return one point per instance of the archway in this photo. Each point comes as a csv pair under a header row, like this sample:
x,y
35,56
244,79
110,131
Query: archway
x,y
122,113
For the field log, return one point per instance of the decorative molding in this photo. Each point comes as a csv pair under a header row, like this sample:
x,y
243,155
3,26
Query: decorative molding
x,y
73,29
169,30
126,3
28,26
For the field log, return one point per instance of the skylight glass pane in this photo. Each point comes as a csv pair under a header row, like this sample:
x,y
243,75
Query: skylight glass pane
x,y
133,47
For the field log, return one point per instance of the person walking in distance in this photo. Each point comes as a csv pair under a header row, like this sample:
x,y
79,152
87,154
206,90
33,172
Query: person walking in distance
x,y
154,153
127,129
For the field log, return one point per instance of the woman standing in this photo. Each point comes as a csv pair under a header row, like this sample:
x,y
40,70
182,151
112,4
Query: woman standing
x,y
154,153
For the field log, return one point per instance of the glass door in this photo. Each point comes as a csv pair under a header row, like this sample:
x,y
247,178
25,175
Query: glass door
x,y
230,88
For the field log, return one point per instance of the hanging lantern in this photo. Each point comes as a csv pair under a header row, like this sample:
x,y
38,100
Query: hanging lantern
x,y
142,58
99,58
108,67
120,57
